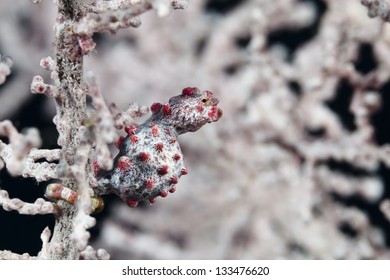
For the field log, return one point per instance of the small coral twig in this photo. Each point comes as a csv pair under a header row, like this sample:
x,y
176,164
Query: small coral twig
x,y
45,237
104,126
19,146
91,254
101,5
39,86
110,20
8,255
48,63
20,156
385,208
39,207
116,14
5,67
127,118
43,254
162,6
83,221
377,8
49,155
41,171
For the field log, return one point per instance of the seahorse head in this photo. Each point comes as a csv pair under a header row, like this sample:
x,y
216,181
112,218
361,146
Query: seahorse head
x,y
189,111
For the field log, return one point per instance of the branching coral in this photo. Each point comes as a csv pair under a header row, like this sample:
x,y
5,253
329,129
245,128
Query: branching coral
x,y
298,167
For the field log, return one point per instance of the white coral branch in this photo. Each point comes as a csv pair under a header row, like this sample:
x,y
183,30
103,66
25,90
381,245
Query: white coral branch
x,y
116,14
110,20
162,6
127,118
83,221
105,130
5,67
39,207
19,146
8,255
385,208
39,86
49,155
42,171
20,155
91,254
45,237
101,5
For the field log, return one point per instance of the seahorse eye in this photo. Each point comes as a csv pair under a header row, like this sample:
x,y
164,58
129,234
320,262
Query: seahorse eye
x,y
204,100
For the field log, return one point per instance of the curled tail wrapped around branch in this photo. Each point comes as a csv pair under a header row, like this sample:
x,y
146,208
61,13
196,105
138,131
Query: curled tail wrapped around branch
x,y
150,161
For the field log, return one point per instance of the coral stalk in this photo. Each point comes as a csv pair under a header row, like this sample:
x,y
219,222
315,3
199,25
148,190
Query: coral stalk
x,y
71,111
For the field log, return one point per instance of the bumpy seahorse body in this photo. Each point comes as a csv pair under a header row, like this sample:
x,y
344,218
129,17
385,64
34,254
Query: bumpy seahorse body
x,y
150,161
